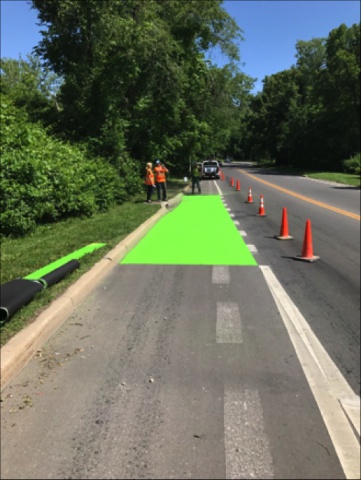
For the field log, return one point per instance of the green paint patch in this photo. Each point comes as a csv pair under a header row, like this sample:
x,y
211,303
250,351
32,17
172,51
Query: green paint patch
x,y
198,232
62,261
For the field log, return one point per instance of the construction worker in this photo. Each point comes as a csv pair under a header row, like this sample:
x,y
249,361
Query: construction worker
x,y
196,177
160,172
149,181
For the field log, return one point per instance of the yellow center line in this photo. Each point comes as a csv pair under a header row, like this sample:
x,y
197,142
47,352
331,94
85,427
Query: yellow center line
x,y
306,199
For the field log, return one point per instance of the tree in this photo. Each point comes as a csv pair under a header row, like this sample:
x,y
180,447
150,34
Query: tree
x,y
341,92
29,86
131,69
308,116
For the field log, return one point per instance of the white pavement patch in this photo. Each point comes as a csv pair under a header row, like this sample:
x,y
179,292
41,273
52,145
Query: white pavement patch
x,y
236,222
246,445
229,325
339,406
243,233
220,274
252,248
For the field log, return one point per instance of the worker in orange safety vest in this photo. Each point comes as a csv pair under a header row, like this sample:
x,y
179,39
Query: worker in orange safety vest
x,y
160,172
149,181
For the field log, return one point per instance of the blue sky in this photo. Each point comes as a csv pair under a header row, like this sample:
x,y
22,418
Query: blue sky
x,y
270,30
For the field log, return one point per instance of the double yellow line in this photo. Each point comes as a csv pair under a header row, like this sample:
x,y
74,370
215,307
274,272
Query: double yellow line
x,y
306,199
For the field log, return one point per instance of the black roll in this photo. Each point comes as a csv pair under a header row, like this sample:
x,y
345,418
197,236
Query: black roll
x,y
15,294
56,275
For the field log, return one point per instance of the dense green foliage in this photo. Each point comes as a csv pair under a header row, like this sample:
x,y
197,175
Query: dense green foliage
x,y
136,79
309,116
353,165
43,179
114,84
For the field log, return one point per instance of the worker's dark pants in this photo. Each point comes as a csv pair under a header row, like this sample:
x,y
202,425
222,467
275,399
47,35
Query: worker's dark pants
x,y
196,181
150,189
161,189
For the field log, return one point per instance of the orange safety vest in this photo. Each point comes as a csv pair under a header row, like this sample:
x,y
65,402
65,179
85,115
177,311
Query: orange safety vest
x,y
149,177
160,173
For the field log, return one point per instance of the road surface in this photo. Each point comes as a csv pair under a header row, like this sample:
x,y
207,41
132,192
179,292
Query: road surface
x,y
205,371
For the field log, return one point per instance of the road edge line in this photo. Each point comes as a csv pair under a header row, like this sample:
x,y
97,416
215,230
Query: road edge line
x,y
325,381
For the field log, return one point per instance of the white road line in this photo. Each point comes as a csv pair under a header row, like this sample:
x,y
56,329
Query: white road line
x,y
229,325
228,209
232,215
252,248
246,445
243,233
236,222
339,406
220,274
219,190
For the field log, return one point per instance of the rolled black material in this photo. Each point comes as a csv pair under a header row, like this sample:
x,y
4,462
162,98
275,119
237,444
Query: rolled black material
x,y
56,275
15,294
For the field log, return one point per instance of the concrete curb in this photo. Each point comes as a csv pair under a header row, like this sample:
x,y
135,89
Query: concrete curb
x,y
19,350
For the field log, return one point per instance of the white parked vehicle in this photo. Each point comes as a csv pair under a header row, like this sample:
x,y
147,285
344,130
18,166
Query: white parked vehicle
x,y
211,169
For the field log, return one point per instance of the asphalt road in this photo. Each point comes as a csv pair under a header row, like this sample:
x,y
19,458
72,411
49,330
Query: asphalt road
x,y
188,371
327,291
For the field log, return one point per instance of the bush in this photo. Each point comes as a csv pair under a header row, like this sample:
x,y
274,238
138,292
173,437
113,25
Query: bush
x,y
44,180
353,165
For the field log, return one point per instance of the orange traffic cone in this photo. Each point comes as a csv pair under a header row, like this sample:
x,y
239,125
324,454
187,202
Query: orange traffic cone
x,y
238,185
284,234
307,249
261,211
232,182
250,199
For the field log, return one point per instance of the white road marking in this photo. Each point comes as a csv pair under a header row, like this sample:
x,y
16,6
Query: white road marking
x,y
219,190
252,248
232,215
236,222
228,209
246,445
243,233
220,274
229,325
339,406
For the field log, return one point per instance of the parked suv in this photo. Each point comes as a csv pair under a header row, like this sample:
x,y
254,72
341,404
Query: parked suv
x,y
210,169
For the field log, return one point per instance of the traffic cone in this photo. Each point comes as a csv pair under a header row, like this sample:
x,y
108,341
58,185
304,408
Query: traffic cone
x,y
261,211
307,249
238,185
250,199
232,182
284,234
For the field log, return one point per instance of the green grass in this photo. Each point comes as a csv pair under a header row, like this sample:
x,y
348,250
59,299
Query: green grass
x,y
21,257
343,178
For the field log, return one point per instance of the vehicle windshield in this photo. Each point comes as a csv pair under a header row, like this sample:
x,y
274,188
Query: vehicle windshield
x,y
210,162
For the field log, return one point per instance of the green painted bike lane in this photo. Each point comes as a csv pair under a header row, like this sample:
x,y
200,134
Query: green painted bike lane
x,y
199,231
